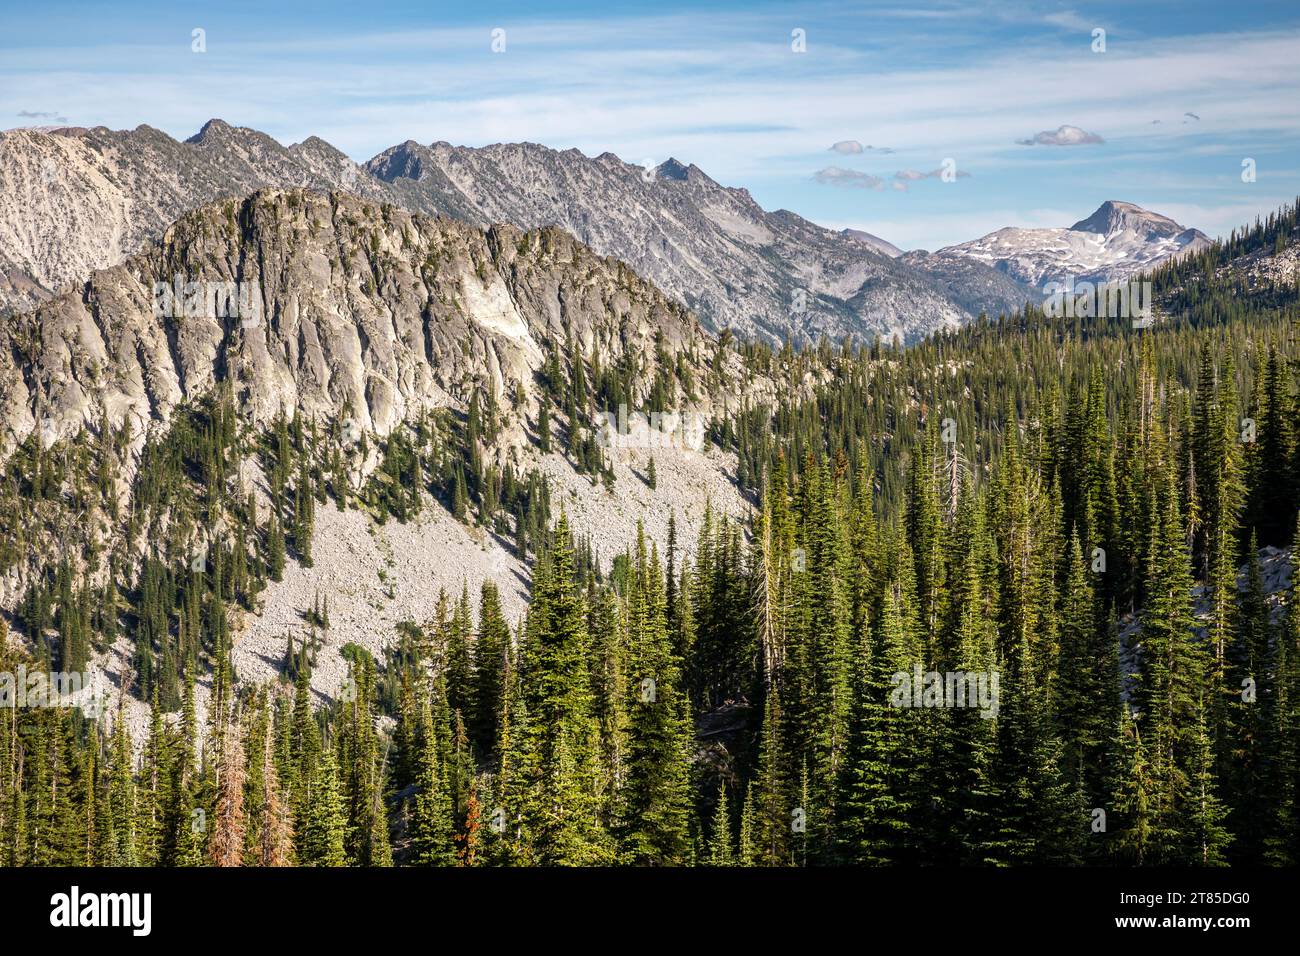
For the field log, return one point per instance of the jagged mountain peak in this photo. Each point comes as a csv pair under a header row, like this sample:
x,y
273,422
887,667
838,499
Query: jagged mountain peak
x,y
672,169
1115,216
1118,240
318,146
398,162
773,274
213,129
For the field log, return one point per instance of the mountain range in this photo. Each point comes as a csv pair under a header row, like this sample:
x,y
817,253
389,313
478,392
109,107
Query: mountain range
x,y
73,200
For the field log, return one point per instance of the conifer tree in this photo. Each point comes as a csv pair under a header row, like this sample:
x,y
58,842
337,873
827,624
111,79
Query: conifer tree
x,y
559,740
490,649
721,852
431,818
320,838
747,851
1132,844
655,815
1039,813
1171,679
121,799
1086,697
1252,685
874,793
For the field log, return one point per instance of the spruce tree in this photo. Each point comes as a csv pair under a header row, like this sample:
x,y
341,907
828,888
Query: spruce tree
x,y
320,837
559,740
656,802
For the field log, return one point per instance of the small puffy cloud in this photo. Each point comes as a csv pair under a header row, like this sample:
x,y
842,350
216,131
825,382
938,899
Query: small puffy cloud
x,y
851,147
1062,136
848,178
913,175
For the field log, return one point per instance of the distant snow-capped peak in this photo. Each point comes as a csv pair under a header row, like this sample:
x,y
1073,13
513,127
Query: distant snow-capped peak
x,y
1117,240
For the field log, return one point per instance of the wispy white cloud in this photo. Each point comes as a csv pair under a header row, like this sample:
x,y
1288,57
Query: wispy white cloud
x,y
914,175
41,115
643,99
723,91
1070,20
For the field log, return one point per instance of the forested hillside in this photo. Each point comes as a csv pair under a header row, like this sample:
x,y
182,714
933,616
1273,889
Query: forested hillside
x,y
1069,514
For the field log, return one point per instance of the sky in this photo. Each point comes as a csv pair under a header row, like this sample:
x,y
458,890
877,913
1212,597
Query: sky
x,y
846,113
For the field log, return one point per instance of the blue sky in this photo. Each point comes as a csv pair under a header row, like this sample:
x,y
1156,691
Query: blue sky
x,y
1182,94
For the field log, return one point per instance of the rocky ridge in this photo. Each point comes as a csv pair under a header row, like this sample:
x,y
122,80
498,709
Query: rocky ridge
x,y
355,309
73,200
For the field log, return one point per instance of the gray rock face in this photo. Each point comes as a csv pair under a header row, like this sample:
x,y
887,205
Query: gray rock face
x,y
773,274
328,305
880,245
75,200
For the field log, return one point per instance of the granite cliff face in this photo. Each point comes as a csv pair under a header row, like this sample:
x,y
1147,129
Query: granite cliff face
x,y
327,305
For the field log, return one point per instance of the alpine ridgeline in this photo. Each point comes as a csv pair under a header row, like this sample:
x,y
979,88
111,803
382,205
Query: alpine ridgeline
x,y
73,200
